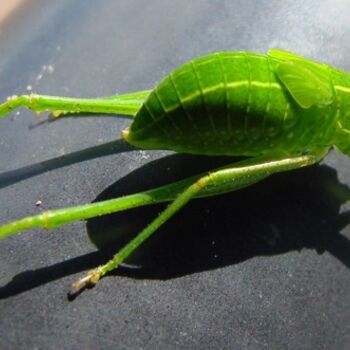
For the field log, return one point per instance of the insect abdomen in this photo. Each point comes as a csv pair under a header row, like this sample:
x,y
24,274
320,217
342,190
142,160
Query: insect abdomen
x,y
224,103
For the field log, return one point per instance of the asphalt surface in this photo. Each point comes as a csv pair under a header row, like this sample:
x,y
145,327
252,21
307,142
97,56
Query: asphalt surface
x,y
263,268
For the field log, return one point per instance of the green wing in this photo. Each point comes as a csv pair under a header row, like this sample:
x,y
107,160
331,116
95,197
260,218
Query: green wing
x,y
284,55
288,56
307,81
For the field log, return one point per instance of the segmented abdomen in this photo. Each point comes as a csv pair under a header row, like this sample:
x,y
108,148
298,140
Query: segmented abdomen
x,y
221,104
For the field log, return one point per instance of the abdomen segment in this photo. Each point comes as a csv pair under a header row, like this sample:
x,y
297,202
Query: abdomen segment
x,y
221,104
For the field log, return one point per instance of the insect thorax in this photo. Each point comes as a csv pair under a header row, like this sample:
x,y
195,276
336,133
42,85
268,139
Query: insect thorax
x,y
342,90
226,104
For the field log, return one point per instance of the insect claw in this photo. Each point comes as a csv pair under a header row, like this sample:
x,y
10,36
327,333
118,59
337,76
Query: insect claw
x,y
56,114
88,281
125,133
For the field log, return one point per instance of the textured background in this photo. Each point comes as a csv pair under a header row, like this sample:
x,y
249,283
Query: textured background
x,y
266,267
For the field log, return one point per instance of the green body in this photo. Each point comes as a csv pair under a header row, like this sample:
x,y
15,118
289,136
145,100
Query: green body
x,y
234,103
282,111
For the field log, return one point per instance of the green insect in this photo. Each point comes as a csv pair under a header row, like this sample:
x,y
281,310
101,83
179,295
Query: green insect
x,y
281,111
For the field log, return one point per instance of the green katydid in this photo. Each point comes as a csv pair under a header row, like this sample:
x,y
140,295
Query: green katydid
x,y
281,111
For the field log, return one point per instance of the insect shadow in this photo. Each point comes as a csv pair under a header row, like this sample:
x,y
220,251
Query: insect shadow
x,y
287,212
11,177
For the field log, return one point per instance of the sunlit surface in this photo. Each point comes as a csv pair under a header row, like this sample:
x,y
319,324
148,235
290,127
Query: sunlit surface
x,y
7,7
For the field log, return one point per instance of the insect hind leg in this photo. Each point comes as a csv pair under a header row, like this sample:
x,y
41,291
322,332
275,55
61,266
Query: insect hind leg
x,y
231,178
127,104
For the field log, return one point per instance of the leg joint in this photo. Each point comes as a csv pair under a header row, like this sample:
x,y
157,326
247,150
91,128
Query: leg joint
x,y
203,181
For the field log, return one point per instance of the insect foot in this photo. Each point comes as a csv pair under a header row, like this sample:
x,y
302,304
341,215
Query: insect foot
x,y
88,281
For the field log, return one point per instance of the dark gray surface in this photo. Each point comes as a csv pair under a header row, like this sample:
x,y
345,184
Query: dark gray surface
x,y
264,268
